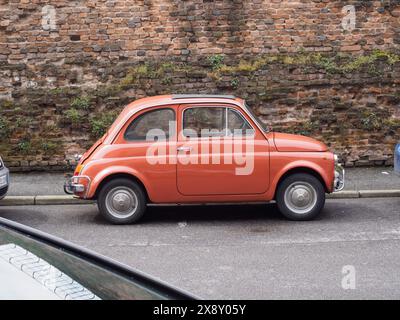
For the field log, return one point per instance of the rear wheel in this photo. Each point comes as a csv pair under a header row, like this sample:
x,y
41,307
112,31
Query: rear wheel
x,y
300,196
121,201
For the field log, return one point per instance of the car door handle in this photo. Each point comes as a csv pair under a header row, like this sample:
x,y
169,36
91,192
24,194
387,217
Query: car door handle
x,y
183,148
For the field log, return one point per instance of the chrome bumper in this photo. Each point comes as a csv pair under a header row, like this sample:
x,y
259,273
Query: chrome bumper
x,y
339,178
78,185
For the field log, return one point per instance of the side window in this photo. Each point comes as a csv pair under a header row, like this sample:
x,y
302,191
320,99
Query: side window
x,y
237,124
204,122
156,119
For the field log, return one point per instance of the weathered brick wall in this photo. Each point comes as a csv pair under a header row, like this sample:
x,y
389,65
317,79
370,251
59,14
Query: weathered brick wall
x,y
67,68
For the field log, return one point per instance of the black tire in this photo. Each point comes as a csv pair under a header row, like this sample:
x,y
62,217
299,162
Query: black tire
x,y
299,184
123,189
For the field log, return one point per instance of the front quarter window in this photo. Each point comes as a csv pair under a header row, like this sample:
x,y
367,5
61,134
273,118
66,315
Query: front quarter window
x,y
262,125
236,124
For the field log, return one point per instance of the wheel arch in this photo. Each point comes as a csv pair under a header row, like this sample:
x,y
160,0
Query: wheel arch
x,y
113,176
302,169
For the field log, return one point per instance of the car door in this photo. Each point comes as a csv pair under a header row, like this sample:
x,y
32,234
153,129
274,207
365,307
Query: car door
x,y
220,151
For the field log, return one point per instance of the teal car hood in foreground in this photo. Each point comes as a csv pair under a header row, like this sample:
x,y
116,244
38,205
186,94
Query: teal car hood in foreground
x,y
35,265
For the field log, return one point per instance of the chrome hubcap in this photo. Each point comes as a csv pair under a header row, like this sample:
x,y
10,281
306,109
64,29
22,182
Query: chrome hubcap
x,y
300,197
121,202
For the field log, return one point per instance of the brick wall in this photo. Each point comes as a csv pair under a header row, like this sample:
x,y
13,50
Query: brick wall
x,y
67,68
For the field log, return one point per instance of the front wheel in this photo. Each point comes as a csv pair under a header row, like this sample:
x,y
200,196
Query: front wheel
x,y
300,197
121,201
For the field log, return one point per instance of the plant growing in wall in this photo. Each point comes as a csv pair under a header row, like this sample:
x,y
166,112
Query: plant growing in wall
x,y
216,61
24,146
81,103
101,122
73,116
4,128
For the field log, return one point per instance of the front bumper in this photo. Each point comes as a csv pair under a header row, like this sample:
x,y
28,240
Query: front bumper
x,y
339,182
78,185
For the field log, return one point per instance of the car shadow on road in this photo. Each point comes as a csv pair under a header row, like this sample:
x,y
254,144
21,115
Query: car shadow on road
x,y
205,213
220,213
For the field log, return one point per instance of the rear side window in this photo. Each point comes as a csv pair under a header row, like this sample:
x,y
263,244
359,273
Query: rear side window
x,y
152,120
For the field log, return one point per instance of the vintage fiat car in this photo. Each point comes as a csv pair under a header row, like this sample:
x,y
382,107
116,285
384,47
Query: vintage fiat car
x,y
202,149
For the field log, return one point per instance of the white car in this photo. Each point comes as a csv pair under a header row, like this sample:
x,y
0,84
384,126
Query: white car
x,y
397,159
4,179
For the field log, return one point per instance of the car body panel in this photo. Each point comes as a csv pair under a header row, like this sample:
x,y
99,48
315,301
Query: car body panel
x,y
319,162
296,143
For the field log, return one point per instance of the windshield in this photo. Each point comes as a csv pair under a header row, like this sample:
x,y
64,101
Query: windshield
x,y
255,117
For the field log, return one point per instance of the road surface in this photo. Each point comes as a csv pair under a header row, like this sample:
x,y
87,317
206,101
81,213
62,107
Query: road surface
x,y
246,252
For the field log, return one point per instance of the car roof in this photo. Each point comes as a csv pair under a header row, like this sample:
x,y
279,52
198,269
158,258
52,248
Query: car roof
x,y
201,96
181,98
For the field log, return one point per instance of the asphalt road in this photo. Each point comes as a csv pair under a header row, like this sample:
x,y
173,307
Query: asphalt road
x,y
245,252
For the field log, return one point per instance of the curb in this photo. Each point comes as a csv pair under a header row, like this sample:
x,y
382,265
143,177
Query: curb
x,y
351,194
382,194
66,199
42,200
364,194
58,200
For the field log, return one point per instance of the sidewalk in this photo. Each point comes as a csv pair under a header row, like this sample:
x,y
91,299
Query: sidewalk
x,y
47,188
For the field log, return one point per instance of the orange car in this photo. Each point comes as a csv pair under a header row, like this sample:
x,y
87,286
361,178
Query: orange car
x,y
202,149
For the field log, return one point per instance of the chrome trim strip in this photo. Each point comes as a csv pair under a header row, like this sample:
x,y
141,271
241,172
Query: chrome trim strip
x,y
196,96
